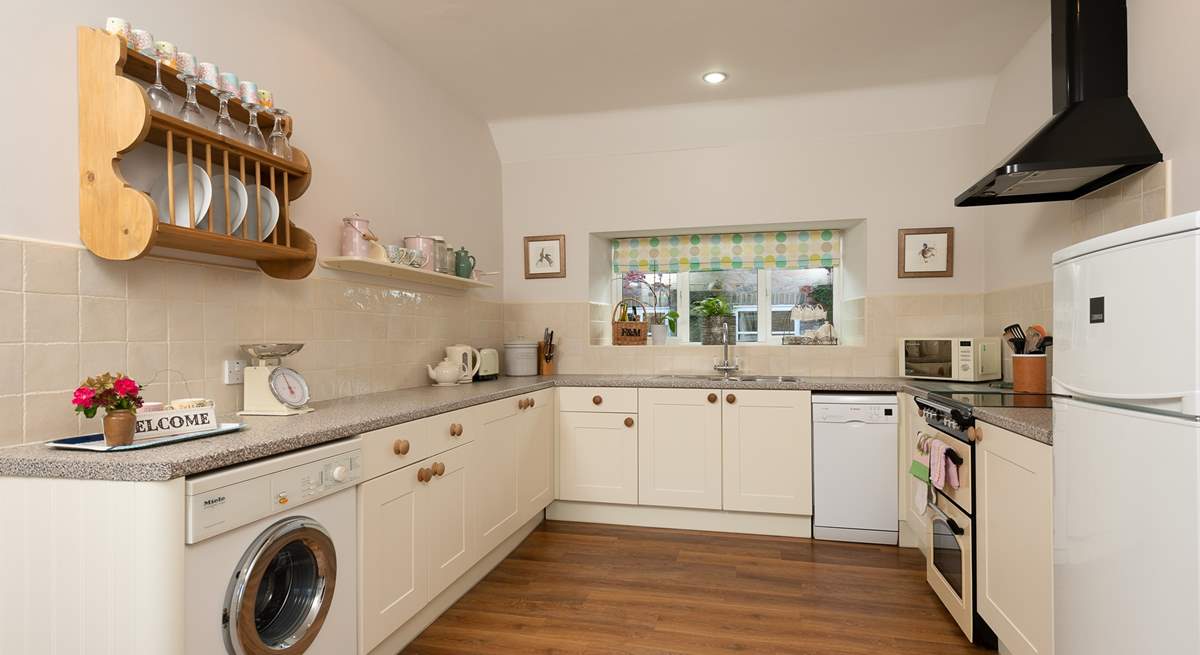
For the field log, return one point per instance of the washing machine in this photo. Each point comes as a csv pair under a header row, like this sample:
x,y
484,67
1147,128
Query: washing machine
x,y
270,560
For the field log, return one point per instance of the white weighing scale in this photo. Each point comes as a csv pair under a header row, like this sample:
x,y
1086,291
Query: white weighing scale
x,y
270,389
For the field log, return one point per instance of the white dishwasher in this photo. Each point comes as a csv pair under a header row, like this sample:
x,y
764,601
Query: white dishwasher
x,y
855,468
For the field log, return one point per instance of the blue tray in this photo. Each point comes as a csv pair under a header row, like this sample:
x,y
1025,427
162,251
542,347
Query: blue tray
x,y
95,442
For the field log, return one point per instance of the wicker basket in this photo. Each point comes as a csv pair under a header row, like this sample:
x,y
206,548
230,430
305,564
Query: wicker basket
x,y
630,333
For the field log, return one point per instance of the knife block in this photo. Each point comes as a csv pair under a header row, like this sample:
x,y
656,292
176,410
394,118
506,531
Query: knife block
x,y
545,367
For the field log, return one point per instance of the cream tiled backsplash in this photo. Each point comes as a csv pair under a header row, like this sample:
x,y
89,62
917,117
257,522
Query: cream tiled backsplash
x,y
65,314
870,328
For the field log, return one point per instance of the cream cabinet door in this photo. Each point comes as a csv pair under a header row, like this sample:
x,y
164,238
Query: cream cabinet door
x,y
1014,531
679,448
392,562
598,457
768,451
535,460
446,516
495,490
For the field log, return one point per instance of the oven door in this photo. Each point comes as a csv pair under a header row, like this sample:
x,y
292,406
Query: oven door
x,y
932,359
948,566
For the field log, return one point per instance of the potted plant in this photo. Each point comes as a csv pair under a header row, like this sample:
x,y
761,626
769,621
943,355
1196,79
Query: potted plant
x,y
119,396
714,312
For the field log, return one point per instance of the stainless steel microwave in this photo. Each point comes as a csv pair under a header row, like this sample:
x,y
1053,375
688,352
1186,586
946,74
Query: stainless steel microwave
x,y
961,359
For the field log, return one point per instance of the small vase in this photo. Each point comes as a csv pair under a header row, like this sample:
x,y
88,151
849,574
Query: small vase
x,y
118,427
658,334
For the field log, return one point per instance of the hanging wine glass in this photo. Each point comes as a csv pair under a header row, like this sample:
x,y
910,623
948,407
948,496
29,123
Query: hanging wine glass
x,y
160,98
248,94
226,88
190,110
277,143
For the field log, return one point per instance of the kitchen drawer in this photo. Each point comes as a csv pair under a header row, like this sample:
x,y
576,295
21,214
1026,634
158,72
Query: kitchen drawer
x,y
500,409
394,447
620,400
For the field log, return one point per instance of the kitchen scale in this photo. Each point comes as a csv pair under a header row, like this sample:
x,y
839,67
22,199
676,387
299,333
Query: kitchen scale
x,y
270,389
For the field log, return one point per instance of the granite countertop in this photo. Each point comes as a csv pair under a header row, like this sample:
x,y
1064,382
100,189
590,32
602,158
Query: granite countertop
x,y
336,419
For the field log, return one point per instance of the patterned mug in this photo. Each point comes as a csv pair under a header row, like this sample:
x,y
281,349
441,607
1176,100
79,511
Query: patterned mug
x,y
248,92
165,51
185,63
208,73
228,82
142,41
118,27
266,98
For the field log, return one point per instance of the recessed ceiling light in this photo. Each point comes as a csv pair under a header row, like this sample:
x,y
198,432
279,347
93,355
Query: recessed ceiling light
x,y
715,77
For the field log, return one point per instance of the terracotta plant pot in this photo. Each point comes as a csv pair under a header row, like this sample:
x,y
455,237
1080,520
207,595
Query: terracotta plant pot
x,y
710,330
118,427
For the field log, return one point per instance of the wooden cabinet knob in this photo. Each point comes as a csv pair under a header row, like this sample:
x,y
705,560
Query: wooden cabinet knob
x,y
628,422
424,474
439,469
532,402
596,400
400,447
731,399
975,434
456,429
712,397
522,403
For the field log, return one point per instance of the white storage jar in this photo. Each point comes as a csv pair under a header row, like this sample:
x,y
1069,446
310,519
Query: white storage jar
x,y
520,358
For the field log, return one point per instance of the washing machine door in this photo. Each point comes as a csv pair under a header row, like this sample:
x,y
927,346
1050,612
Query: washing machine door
x,y
281,590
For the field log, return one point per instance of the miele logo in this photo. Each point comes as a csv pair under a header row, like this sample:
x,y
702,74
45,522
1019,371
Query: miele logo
x,y
213,502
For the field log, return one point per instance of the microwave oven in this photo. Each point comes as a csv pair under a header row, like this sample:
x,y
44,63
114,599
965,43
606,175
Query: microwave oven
x,y
961,359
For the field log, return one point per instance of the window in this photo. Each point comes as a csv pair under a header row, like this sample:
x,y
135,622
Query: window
x,y
777,284
760,299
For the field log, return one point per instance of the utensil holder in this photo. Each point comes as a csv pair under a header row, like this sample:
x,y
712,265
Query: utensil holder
x,y
1029,373
545,367
630,333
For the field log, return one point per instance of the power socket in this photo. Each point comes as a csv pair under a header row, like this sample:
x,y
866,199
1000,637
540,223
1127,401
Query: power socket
x,y
234,371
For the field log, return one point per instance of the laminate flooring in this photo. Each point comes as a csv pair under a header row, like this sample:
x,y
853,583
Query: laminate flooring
x,y
603,589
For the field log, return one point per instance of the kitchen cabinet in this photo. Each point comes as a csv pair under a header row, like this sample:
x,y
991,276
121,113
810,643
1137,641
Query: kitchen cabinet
x,y
1014,533
446,516
535,457
414,539
767,451
916,522
679,448
497,503
598,457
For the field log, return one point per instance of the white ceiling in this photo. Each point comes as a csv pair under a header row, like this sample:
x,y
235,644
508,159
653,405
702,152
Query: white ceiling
x,y
517,58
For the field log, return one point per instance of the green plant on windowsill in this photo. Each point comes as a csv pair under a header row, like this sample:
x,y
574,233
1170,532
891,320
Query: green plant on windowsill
x,y
712,307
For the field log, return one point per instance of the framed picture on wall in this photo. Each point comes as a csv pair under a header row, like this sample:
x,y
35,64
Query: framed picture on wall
x,y
925,252
545,256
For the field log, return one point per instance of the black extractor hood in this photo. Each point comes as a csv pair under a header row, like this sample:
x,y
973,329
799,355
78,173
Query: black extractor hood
x,y
1096,135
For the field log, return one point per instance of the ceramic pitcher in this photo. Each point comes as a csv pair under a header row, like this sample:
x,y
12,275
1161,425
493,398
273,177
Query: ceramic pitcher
x,y
357,237
464,263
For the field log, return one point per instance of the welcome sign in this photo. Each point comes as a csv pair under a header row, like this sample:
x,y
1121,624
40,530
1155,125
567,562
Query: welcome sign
x,y
174,421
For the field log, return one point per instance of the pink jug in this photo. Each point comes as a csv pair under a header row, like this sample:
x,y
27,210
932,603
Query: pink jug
x,y
357,237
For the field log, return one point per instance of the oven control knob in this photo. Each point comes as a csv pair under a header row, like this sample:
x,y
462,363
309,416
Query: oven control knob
x,y
339,473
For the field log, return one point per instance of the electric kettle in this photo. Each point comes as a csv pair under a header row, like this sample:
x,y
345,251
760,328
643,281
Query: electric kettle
x,y
469,358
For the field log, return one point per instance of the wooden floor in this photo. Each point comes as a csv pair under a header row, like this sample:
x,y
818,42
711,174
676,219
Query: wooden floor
x,y
597,589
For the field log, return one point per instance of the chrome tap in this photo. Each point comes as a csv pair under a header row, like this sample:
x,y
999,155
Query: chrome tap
x,y
725,366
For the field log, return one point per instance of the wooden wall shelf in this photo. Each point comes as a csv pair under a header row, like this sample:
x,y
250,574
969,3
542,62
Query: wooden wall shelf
x,y
398,272
117,221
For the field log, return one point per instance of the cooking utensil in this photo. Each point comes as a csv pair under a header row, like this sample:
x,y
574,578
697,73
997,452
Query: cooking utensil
x,y
1017,344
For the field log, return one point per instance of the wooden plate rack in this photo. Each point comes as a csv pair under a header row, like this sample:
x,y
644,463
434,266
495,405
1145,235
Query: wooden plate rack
x,y
117,221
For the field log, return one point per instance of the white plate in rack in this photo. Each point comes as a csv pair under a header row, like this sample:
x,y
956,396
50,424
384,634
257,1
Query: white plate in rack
x,y
201,188
270,207
238,201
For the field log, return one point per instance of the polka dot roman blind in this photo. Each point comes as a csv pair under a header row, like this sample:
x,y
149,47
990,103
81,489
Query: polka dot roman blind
x,y
725,252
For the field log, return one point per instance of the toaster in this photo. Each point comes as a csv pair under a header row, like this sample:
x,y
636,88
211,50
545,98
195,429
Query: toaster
x,y
489,364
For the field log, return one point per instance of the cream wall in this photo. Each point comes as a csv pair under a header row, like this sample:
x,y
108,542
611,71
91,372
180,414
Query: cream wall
x,y
895,157
384,141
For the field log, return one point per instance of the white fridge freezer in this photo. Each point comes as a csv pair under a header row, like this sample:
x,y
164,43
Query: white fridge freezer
x,y
1127,441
